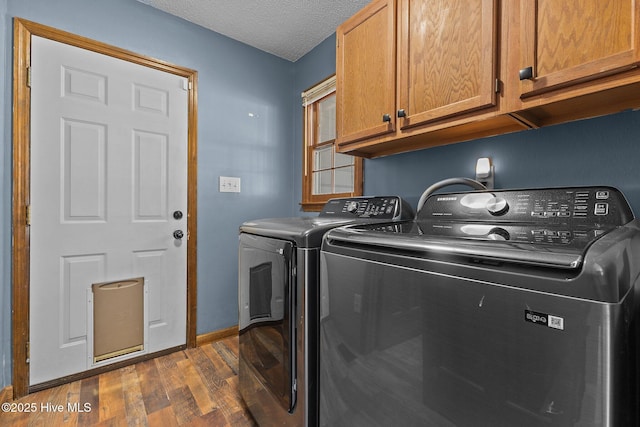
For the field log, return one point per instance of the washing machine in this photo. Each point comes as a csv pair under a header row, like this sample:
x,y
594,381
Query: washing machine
x,y
278,305
493,308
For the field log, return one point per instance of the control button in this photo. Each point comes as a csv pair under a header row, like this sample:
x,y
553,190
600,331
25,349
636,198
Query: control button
x,y
581,207
498,234
601,209
497,206
352,207
602,195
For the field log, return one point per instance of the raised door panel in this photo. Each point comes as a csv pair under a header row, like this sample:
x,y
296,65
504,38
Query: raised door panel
x,y
569,42
447,51
365,73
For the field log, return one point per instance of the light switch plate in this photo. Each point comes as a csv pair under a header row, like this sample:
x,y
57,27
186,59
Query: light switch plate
x,y
229,184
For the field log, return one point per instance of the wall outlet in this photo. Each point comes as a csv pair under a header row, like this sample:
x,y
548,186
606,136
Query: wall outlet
x,y
229,184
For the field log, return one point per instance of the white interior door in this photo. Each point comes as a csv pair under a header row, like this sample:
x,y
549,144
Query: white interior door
x,y
108,171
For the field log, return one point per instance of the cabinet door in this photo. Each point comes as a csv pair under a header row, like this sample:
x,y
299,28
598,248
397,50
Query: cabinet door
x,y
566,42
447,51
365,73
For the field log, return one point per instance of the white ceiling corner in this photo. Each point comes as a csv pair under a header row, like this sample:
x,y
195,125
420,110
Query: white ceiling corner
x,y
285,28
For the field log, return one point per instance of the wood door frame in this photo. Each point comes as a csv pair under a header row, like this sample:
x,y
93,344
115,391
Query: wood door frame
x,y
22,32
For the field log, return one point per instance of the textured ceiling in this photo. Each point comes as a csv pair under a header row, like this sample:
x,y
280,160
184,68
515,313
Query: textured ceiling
x,y
286,28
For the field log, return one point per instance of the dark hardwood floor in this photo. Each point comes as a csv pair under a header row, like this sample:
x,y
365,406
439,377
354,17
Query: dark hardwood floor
x,y
194,387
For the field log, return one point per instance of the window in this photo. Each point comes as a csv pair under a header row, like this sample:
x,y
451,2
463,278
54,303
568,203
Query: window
x,y
326,173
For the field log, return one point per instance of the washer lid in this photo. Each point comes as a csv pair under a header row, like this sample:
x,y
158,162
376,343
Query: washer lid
x,y
408,237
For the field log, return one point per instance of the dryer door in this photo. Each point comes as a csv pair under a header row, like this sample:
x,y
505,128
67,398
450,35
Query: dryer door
x,y
266,325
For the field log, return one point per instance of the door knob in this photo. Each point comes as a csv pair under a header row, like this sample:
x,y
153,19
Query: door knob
x,y
178,234
402,113
386,118
177,215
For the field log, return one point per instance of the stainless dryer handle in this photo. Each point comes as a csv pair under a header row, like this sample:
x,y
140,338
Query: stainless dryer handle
x,y
492,251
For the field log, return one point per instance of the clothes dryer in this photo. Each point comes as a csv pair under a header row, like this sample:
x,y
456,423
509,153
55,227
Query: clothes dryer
x,y
279,270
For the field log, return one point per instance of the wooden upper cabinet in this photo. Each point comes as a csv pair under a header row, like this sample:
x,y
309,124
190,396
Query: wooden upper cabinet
x,y
444,71
447,58
564,43
418,73
366,73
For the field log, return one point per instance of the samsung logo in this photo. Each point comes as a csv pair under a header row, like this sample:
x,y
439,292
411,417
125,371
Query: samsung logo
x,y
447,199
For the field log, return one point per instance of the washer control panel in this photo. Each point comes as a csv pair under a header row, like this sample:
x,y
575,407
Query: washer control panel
x,y
376,207
571,217
575,206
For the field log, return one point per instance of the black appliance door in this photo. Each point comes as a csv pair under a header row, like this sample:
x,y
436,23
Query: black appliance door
x,y
266,308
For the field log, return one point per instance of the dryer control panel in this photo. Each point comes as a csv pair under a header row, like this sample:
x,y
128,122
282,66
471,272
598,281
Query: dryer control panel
x,y
390,208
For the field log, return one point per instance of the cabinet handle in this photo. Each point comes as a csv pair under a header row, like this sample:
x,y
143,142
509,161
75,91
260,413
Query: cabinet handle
x,y
386,118
526,73
402,113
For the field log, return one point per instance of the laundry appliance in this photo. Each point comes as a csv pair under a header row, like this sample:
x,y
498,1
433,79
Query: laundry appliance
x,y
278,305
493,308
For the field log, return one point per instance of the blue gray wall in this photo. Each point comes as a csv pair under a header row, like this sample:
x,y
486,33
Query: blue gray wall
x,y
599,151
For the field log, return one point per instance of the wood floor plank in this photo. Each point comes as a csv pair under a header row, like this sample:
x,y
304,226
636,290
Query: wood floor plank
x,y
209,370
73,398
213,418
111,397
225,369
112,422
232,343
165,417
184,405
195,387
215,385
59,396
171,376
42,415
227,355
241,418
89,394
153,393
234,398
133,402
